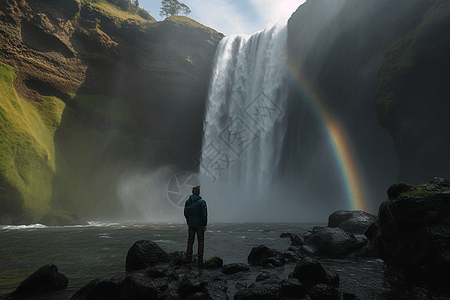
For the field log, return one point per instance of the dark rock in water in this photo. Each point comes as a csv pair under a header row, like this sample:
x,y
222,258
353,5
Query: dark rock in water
x,y
333,242
413,236
136,287
286,234
324,292
258,291
178,258
311,272
214,262
297,240
190,285
263,256
234,268
292,288
60,218
145,254
98,290
155,273
355,221
217,289
45,279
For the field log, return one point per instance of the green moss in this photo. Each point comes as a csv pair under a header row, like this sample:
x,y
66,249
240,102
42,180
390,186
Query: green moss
x,y
213,263
419,192
185,21
27,152
116,12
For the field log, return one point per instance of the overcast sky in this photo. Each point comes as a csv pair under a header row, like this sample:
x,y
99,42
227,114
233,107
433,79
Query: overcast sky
x,y
233,16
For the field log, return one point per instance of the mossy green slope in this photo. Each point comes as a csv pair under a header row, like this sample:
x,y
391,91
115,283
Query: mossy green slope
x,y
27,152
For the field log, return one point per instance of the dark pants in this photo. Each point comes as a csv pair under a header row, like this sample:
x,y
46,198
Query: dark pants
x,y
193,229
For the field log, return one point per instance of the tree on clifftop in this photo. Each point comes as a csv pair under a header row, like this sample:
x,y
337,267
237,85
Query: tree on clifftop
x,y
173,7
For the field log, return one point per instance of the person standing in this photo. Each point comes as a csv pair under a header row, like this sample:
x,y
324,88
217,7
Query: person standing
x,y
196,214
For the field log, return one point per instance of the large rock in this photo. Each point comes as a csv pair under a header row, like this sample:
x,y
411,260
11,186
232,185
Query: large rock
x,y
45,279
98,289
355,221
311,272
333,242
234,268
145,254
413,235
263,256
137,287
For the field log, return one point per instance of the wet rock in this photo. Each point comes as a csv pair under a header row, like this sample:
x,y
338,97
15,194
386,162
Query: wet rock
x,y
45,279
136,287
264,256
178,258
333,243
324,292
258,291
145,254
311,272
190,285
98,289
267,277
216,289
413,236
214,262
355,221
292,288
234,268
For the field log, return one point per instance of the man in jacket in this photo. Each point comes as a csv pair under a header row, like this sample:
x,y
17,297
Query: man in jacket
x,y
196,215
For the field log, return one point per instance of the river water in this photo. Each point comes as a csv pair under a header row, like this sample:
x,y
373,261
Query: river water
x,y
99,250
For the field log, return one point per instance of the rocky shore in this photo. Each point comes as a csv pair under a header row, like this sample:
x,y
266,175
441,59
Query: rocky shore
x,y
410,235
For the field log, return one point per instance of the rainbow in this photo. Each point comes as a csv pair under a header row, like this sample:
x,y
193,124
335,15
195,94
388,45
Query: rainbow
x,y
339,143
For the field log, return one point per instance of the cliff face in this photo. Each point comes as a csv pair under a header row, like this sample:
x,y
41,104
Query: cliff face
x,y
339,47
93,95
413,98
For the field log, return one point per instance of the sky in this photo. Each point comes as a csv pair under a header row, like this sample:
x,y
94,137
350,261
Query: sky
x,y
233,16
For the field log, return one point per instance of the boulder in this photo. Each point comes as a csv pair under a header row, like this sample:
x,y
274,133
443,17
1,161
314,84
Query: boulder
x,y
292,288
234,268
311,272
259,292
263,256
412,235
355,221
145,254
98,289
333,243
214,262
190,285
217,289
45,279
137,286
324,292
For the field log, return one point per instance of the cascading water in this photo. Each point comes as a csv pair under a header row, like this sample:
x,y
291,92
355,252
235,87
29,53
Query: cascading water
x,y
265,154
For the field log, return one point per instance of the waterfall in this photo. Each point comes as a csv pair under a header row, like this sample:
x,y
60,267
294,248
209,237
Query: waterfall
x,y
264,149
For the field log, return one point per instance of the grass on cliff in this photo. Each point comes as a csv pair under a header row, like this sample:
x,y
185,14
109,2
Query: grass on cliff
x,y
27,152
121,14
181,20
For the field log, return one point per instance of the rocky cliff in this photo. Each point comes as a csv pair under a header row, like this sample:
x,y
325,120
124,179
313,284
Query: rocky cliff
x,y
348,52
90,93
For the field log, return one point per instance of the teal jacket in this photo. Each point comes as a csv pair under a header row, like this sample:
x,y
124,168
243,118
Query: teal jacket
x,y
195,211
